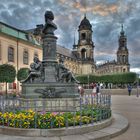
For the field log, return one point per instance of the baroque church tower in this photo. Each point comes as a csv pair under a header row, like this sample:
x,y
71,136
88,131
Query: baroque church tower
x,y
122,53
84,50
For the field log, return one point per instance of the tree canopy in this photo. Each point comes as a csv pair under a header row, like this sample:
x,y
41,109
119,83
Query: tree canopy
x,y
118,78
7,73
22,73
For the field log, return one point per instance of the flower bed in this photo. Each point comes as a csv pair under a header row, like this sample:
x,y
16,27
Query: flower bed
x,y
47,120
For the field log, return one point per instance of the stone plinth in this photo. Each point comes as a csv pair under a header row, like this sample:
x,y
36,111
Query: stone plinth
x,y
41,90
52,104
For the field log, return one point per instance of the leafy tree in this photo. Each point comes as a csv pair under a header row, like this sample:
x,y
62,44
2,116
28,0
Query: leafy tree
x,y
22,73
7,74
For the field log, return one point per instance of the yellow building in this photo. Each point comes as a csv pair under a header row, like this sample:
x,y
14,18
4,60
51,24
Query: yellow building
x,y
17,48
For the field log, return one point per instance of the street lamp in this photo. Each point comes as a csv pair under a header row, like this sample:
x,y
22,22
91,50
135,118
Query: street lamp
x,y
137,85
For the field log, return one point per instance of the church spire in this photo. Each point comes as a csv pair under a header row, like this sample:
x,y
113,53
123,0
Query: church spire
x,y
122,31
74,38
74,45
85,15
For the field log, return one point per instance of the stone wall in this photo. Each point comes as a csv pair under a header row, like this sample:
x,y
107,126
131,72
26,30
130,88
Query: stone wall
x,y
116,91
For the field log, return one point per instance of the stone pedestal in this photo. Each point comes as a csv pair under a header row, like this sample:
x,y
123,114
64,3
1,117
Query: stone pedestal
x,y
50,97
51,105
57,90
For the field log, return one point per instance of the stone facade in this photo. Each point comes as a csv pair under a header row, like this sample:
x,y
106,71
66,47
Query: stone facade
x,y
24,47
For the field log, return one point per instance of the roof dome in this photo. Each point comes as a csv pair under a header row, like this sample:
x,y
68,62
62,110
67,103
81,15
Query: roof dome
x,y
85,24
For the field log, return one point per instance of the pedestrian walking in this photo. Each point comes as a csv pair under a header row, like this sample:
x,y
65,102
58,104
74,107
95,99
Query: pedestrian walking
x,y
81,91
94,89
129,89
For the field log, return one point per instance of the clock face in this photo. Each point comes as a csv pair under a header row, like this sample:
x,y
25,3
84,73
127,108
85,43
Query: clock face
x,y
83,42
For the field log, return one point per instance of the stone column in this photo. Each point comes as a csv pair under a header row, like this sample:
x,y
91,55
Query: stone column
x,y
49,48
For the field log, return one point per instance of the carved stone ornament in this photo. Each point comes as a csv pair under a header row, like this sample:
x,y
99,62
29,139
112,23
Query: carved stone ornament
x,y
49,92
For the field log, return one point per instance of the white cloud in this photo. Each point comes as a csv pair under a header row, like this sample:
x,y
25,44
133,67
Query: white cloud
x,y
137,70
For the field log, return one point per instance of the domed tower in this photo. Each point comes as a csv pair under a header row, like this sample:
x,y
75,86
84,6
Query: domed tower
x,y
84,50
122,53
85,46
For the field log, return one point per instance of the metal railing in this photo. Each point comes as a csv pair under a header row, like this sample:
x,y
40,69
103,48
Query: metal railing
x,y
91,109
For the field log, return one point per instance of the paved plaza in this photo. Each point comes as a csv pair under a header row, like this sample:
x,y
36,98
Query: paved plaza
x,y
128,106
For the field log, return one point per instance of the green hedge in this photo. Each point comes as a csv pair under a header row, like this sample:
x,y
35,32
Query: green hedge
x,y
122,78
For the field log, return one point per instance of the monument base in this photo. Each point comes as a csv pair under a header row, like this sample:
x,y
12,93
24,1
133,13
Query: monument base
x,y
49,90
50,96
51,105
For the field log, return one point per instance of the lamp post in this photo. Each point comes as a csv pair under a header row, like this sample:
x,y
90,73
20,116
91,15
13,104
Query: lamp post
x,y
88,81
137,85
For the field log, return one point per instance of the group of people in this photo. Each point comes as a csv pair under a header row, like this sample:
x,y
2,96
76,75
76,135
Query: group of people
x,y
95,96
95,89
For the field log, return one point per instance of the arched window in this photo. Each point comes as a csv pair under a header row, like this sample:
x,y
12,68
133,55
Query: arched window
x,y
83,35
10,54
124,70
25,57
83,53
36,54
124,59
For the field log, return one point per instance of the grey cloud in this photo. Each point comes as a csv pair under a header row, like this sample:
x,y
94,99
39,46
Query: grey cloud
x,y
134,62
13,6
26,14
2,6
106,37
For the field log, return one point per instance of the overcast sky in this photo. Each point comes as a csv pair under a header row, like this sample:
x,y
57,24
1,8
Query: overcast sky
x,y
106,17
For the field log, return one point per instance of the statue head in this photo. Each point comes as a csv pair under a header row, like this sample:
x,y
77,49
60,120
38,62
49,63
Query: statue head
x,y
49,15
32,66
36,59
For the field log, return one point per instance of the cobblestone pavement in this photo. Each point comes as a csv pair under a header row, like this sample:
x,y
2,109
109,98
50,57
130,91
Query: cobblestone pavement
x,y
129,107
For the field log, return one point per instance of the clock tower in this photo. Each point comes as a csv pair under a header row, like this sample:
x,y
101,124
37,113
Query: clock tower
x,y
84,50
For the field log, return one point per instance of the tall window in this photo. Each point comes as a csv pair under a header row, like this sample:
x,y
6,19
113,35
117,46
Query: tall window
x,y
83,53
0,50
124,70
35,54
25,57
83,35
10,54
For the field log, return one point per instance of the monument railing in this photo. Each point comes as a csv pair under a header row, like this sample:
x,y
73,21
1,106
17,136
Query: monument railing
x,y
91,109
